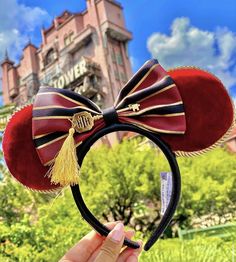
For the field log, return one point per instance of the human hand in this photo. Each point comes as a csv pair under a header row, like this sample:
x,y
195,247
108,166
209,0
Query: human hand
x,y
96,248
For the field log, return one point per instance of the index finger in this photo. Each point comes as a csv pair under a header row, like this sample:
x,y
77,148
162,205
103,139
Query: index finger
x,y
86,246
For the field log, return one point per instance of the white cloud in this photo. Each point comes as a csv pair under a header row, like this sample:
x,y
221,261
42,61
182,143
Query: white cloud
x,y
17,23
189,45
134,63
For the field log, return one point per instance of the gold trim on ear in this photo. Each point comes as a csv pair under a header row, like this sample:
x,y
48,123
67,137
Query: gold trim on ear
x,y
49,191
224,137
216,144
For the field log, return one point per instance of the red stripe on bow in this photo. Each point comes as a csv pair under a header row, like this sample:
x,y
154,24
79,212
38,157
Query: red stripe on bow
x,y
149,100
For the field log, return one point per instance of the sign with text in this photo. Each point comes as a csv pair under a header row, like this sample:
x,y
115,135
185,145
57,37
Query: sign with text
x,y
71,75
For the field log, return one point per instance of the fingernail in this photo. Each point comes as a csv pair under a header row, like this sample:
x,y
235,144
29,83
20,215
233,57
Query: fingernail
x,y
132,232
117,233
133,258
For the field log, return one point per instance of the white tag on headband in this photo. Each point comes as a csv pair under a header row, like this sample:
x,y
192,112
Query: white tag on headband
x,y
166,189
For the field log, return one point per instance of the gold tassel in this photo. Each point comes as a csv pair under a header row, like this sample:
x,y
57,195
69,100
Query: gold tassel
x,y
65,170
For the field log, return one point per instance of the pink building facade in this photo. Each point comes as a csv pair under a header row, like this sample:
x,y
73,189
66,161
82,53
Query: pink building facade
x,y
85,52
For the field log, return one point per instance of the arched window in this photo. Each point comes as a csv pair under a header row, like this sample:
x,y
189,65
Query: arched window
x,y
50,56
68,38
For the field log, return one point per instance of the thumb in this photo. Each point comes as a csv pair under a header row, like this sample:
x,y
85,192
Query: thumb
x,y
111,247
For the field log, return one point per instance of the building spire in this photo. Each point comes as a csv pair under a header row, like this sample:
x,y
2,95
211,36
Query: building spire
x,y
6,57
29,40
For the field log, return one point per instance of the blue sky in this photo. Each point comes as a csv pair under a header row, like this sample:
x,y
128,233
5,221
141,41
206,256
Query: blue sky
x,y
196,32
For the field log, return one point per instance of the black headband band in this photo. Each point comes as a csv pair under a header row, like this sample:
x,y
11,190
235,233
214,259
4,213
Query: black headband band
x,y
176,183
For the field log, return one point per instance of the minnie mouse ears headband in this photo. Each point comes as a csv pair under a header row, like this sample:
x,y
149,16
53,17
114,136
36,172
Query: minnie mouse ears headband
x,y
187,108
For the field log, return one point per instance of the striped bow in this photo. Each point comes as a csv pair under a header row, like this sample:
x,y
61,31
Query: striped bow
x,y
150,100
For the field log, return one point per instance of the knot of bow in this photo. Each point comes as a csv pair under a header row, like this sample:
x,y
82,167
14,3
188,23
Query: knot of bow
x,y
149,100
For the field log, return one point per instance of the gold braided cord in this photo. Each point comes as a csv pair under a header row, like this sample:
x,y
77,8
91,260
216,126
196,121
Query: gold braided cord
x,y
224,137
178,153
203,151
28,188
49,191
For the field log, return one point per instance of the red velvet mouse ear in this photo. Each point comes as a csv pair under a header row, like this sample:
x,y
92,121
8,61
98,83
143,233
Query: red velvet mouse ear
x,y
20,154
208,108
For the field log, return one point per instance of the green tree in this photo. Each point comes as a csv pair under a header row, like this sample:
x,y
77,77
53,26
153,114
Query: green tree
x,y
44,235
2,166
208,185
117,183
122,183
5,113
